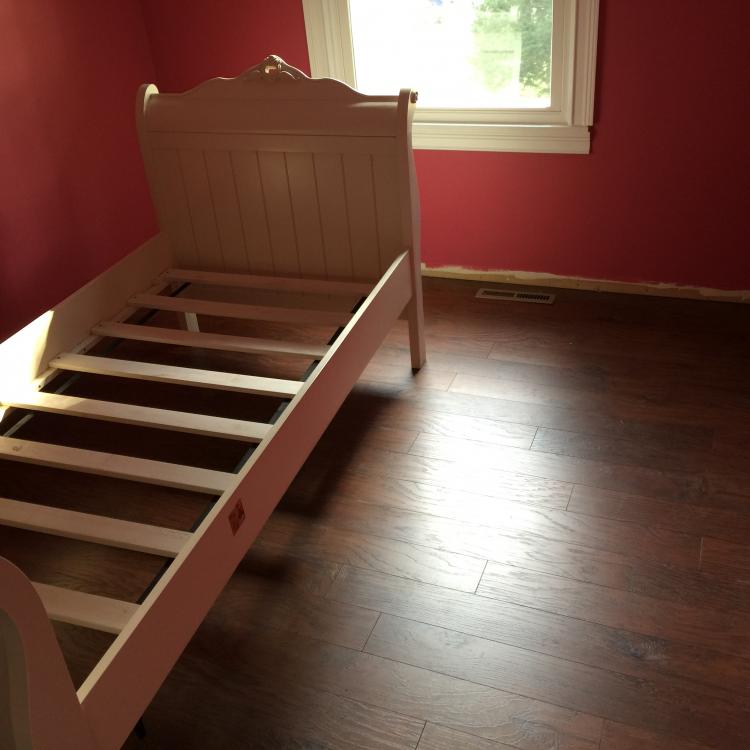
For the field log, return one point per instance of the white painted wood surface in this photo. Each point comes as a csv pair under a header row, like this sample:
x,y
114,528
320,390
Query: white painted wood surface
x,y
25,356
38,695
224,381
278,283
202,340
242,312
116,466
143,416
85,610
112,532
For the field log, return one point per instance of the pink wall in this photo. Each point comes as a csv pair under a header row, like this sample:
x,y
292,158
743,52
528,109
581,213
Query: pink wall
x,y
662,197
192,41
73,196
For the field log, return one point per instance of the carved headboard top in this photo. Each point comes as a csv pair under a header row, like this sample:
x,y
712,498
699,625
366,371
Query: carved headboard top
x,y
234,105
273,68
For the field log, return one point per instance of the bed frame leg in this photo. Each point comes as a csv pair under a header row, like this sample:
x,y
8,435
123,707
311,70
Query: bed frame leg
x,y
140,730
189,322
415,316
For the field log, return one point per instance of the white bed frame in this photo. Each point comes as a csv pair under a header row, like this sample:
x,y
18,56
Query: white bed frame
x,y
270,180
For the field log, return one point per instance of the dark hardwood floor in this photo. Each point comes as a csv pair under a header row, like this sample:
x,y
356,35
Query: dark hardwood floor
x,y
540,541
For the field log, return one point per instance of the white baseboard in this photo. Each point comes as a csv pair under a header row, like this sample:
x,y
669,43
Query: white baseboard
x,y
528,278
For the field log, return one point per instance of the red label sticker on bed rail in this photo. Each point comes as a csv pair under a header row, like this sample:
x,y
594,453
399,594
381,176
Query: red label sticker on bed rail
x,y
236,517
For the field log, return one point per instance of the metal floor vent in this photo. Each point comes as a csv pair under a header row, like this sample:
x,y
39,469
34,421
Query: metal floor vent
x,y
539,298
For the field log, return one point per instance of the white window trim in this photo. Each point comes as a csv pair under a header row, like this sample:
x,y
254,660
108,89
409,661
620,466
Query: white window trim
x,y
561,128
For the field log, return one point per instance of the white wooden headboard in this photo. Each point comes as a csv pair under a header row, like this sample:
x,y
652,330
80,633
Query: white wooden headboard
x,y
273,172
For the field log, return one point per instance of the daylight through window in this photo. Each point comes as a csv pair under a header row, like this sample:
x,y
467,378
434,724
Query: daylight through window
x,y
505,75
483,54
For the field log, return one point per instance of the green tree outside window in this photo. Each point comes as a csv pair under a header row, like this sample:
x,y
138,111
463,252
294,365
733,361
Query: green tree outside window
x,y
500,28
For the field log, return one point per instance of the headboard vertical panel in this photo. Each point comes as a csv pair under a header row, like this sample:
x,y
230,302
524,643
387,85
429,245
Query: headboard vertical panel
x,y
173,209
253,212
360,208
275,186
202,213
329,174
226,209
303,190
387,205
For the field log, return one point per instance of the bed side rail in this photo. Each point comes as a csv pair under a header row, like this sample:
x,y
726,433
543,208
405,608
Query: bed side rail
x,y
39,709
123,683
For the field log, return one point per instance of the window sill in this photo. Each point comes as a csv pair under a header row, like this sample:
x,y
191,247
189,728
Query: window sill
x,y
537,139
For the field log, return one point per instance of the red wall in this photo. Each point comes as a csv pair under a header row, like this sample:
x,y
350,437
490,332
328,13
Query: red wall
x,y
200,39
662,196
73,196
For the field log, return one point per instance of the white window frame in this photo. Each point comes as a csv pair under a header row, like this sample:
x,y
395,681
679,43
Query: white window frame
x,y
563,127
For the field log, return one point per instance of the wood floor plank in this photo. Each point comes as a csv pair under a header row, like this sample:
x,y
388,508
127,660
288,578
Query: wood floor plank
x,y
673,457
726,558
728,632
398,375
642,564
573,377
469,345
386,438
732,439
426,695
592,421
451,425
636,479
654,706
525,627
482,480
621,737
301,536
477,539
436,737
242,712
722,523
533,393
287,595
485,509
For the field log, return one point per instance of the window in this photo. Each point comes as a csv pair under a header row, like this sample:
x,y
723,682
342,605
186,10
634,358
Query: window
x,y
492,75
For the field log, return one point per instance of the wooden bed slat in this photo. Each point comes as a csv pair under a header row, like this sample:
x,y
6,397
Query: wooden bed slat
x,y
109,411
226,381
112,532
244,312
286,284
219,341
85,610
118,467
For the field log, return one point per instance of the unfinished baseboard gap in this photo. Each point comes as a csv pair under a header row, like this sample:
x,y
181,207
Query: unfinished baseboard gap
x,y
528,278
